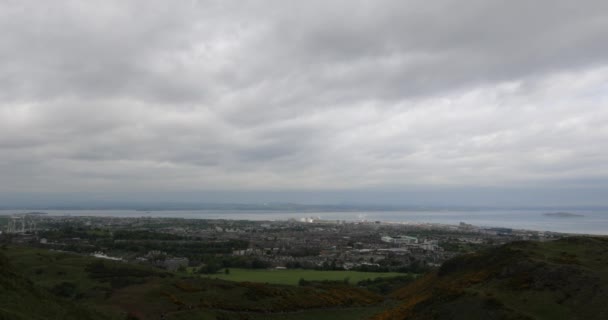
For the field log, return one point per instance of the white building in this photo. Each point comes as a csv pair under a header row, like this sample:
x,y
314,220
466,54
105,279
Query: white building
x,y
102,255
400,239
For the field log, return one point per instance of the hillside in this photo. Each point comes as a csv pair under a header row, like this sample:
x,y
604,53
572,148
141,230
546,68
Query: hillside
x,y
564,279
115,289
21,299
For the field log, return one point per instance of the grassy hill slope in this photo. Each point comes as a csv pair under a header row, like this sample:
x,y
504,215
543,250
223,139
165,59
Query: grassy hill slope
x,y
115,289
21,299
564,279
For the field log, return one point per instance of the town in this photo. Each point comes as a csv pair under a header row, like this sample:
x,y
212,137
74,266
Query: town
x,y
206,246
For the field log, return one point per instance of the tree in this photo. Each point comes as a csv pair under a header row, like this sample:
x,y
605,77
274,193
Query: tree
x,y
303,282
209,268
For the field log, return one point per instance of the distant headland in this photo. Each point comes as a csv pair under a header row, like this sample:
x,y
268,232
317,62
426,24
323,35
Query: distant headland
x,y
563,215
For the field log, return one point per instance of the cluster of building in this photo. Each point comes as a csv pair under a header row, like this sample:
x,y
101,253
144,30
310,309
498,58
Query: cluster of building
x,y
306,243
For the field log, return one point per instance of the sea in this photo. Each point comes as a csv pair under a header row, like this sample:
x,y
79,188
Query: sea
x,y
582,222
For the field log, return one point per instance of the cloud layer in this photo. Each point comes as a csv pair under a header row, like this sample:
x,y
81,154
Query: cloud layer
x,y
315,95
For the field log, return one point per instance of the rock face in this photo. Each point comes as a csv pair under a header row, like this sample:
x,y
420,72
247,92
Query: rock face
x,y
564,279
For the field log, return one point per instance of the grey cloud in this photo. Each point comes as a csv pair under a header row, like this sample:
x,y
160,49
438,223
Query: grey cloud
x,y
387,49
315,95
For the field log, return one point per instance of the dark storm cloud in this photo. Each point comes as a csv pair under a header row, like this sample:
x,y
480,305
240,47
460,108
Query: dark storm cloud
x,y
199,95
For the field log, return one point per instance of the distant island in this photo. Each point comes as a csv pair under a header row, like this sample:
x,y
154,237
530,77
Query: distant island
x,y
562,215
35,213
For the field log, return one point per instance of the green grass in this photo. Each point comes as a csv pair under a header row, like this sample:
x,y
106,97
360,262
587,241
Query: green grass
x,y
293,276
21,299
563,279
148,292
49,269
324,314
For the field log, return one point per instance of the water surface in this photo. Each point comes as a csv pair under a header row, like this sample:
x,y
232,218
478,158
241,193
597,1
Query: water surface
x,y
591,222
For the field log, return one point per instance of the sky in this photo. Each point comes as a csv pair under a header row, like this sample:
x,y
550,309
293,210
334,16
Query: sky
x,y
402,102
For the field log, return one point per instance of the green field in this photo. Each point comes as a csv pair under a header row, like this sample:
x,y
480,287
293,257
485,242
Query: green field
x,y
293,276
42,284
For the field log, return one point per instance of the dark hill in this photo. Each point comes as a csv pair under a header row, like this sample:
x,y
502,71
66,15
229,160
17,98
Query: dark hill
x,y
564,279
21,299
54,283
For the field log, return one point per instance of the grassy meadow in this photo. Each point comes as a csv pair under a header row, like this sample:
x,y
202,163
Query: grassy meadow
x,y
293,276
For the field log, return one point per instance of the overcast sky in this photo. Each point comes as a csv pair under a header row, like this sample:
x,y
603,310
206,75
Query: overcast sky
x,y
369,101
